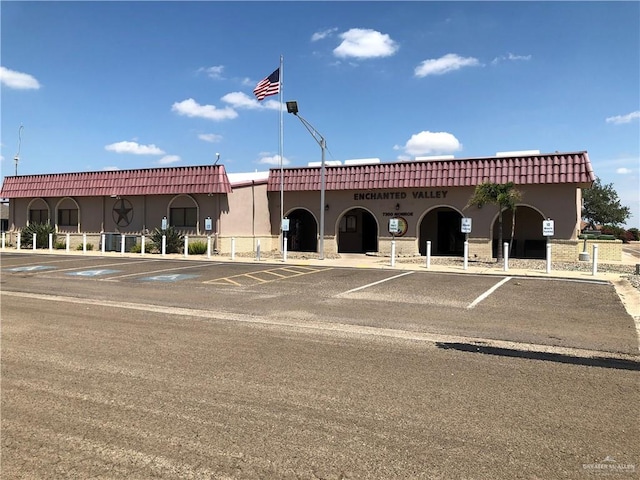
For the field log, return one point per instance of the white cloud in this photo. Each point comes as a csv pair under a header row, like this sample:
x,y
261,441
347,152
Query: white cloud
x,y
323,34
169,159
210,137
624,171
448,63
241,100
191,108
274,160
110,169
510,57
365,43
134,148
620,119
213,72
18,80
431,143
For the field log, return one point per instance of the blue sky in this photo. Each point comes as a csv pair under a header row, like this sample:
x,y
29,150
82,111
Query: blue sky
x,y
119,85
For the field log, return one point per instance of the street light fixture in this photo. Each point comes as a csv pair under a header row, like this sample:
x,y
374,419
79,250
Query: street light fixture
x,y
292,107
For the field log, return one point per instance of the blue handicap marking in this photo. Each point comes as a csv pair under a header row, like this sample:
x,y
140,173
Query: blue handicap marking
x,y
92,273
168,278
30,268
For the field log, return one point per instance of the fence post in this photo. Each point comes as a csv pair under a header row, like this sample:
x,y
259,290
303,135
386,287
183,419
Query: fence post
x,y
393,252
18,240
142,244
34,242
68,245
465,254
208,246
505,256
284,251
122,244
186,246
594,268
84,243
428,253
51,242
548,257
103,238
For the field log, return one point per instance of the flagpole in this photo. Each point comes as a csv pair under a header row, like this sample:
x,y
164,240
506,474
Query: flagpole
x,y
281,154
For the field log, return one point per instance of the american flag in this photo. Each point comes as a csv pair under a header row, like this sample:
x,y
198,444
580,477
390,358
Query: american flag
x,y
268,86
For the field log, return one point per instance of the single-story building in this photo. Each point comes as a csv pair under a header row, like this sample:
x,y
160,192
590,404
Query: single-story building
x,y
428,197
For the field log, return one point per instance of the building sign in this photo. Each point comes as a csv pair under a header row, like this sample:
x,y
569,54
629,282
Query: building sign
x,y
547,228
465,225
417,195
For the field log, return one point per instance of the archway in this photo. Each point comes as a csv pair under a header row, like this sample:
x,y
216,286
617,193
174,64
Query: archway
x,y
441,226
303,231
357,232
528,241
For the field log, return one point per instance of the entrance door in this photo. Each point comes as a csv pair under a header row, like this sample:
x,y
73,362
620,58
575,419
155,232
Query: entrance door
x,y
303,232
441,226
357,232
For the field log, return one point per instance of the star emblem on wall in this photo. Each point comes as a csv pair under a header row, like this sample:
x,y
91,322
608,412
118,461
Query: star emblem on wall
x,y
122,212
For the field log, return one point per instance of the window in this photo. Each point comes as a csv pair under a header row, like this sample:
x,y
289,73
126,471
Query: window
x,y
38,216
184,217
68,217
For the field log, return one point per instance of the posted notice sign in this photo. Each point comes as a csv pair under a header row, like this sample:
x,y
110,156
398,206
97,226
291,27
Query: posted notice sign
x,y
465,225
394,225
547,228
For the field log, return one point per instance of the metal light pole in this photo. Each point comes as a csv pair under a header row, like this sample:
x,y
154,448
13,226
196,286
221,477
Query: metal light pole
x,y
292,107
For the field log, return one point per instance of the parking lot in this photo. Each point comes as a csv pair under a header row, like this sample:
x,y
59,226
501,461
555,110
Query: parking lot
x,y
129,367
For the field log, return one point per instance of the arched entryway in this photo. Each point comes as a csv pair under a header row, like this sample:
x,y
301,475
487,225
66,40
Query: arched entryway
x,y
528,241
357,232
303,231
441,226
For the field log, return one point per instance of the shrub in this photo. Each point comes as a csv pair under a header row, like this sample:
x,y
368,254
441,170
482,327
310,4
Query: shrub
x,y
59,245
175,240
42,231
197,248
137,248
635,233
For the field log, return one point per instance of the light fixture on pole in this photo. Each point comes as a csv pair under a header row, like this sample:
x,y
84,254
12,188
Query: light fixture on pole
x,y
292,107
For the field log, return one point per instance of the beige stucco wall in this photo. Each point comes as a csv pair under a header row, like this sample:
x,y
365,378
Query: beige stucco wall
x,y
250,213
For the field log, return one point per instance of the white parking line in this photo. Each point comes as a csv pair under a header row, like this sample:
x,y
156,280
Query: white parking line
x,y
374,283
488,292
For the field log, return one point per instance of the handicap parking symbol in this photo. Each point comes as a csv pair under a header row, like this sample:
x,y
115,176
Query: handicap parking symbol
x,y
168,278
92,273
30,268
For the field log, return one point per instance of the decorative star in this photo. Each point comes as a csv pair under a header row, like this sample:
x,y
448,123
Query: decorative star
x,y
123,213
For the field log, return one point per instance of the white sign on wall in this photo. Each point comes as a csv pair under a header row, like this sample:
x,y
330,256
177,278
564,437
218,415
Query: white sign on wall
x,y
208,224
547,228
465,225
285,224
394,225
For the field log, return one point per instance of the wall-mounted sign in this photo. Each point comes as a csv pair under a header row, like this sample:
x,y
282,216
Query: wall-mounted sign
x,y
397,226
122,212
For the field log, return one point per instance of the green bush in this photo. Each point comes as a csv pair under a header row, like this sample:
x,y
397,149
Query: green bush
x,y
137,248
89,246
175,240
59,245
197,248
42,231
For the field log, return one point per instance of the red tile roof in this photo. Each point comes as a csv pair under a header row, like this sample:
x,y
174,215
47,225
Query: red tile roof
x,y
555,168
152,181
